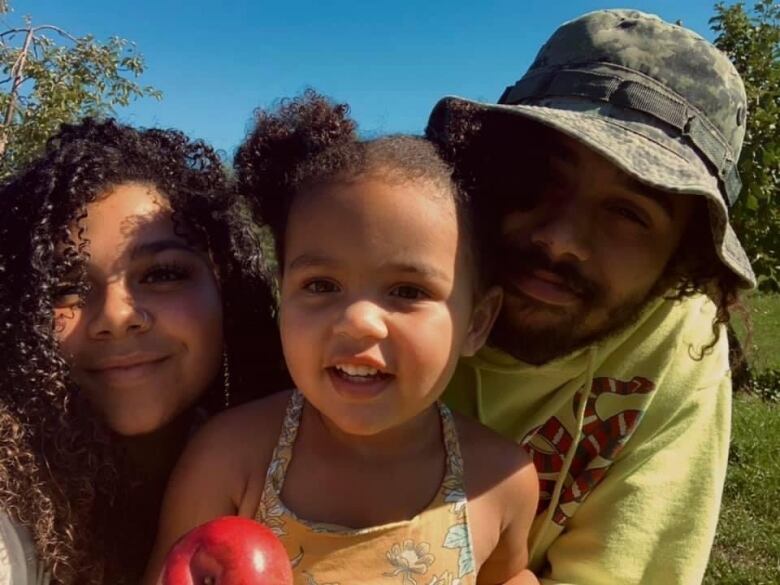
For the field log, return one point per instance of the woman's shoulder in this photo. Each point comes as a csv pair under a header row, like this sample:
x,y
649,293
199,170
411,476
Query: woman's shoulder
x,y
18,558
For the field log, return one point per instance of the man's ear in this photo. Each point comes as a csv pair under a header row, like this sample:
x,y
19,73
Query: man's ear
x,y
482,319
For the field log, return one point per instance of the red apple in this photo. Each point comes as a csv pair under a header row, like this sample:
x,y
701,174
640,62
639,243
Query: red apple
x,y
228,551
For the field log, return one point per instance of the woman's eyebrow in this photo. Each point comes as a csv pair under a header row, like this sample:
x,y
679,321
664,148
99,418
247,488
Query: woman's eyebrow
x,y
152,248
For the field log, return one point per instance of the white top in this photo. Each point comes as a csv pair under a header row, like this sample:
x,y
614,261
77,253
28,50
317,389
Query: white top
x,y
18,562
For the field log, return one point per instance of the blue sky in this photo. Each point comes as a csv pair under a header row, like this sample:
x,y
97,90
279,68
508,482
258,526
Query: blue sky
x,y
391,61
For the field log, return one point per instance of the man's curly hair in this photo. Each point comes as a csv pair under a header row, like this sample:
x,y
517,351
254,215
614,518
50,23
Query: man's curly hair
x,y
61,472
309,141
498,157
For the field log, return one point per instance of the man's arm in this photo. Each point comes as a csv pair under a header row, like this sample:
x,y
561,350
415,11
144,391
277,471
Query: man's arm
x,y
653,518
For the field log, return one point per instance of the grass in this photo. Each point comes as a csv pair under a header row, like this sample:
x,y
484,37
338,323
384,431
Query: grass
x,y
747,546
765,344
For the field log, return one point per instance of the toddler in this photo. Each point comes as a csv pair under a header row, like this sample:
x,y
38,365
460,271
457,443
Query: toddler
x,y
362,473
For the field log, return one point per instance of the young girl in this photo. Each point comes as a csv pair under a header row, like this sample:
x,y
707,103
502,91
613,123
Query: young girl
x,y
127,306
364,476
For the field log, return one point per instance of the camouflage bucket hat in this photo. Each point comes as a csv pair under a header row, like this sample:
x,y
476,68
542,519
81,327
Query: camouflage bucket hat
x,y
655,99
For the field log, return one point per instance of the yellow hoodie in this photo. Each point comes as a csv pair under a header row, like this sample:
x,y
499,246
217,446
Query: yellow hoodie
x,y
630,439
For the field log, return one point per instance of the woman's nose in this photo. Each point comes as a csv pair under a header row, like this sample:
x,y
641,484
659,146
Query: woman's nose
x,y
117,314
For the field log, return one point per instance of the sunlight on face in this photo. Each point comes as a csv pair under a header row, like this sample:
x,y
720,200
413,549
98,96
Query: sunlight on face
x,y
145,341
582,261
376,300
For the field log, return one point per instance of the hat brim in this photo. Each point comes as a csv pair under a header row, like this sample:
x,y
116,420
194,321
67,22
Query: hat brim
x,y
642,150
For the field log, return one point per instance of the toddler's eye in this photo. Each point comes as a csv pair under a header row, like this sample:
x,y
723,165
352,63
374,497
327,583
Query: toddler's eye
x,y
321,286
409,292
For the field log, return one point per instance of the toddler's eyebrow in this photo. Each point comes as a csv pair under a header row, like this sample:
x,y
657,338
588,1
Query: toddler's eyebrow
x,y
310,260
152,248
421,269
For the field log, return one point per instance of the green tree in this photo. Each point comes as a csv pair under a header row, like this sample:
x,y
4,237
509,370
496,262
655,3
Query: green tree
x,y
50,77
751,38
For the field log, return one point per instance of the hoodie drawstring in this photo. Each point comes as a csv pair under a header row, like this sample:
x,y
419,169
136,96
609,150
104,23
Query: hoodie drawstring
x,y
480,411
587,388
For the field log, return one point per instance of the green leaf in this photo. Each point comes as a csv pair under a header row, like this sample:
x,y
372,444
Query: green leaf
x,y
63,79
751,38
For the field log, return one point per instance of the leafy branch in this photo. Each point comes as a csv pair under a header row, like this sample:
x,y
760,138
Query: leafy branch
x,y
50,77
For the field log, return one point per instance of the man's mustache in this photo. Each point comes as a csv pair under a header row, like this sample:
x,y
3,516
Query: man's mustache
x,y
524,260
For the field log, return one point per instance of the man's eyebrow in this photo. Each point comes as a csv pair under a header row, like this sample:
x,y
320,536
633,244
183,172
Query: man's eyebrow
x,y
662,198
560,151
157,246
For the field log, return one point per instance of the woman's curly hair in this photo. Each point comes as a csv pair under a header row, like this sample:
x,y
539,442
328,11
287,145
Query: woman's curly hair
x,y
309,141
498,157
61,472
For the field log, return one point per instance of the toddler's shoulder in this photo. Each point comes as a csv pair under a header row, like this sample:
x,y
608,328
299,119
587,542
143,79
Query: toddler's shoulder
x,y
494,464
485,446
244,432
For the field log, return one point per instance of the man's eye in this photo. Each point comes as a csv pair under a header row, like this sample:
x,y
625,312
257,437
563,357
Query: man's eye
x,y
629,214
165,273
320,286
409,292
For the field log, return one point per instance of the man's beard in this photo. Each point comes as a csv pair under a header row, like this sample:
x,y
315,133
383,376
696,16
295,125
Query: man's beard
x,y
520,329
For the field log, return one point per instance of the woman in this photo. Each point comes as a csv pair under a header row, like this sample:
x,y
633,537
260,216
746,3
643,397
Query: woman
x,y
133,303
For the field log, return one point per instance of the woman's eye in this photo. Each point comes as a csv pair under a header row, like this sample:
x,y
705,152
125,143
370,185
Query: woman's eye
x,y
67,295
409,292
319,287
165,273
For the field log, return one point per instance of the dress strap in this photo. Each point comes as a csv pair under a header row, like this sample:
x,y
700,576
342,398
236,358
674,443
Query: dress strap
x,y
454,483
277,469
453,492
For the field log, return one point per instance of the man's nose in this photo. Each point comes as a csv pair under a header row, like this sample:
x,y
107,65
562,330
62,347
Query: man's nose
x,y
565,232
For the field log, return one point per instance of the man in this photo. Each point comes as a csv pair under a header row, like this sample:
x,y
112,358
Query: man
x,y
603,178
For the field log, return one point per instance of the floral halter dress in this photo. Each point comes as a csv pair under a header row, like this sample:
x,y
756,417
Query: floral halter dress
x,y
433,548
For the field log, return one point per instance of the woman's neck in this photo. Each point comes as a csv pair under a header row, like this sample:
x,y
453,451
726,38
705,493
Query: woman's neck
x,y
145,466
150,457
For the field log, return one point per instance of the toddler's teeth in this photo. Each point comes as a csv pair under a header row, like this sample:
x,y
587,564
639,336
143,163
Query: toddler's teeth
x,y
351,370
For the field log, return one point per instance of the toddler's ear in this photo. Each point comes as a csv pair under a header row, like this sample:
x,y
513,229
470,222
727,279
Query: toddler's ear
x,y
482,319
